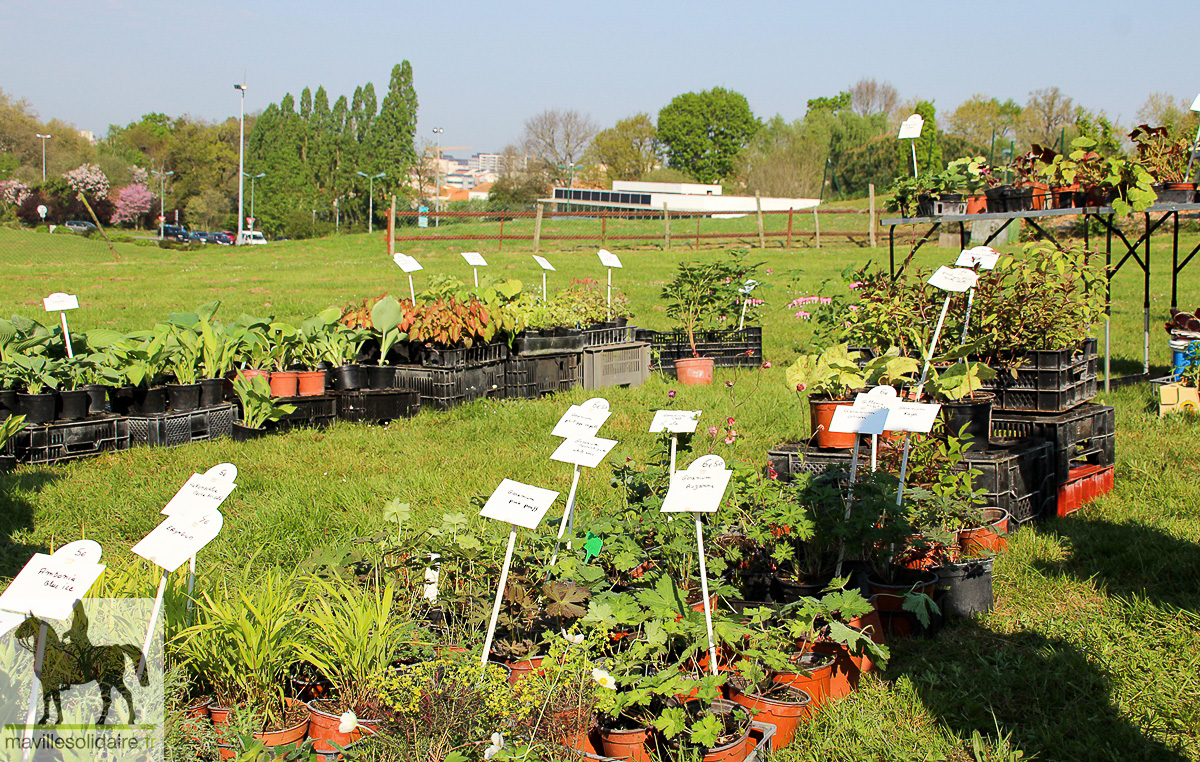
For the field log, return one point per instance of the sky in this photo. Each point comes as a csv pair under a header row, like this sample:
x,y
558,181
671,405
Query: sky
x,y
482,68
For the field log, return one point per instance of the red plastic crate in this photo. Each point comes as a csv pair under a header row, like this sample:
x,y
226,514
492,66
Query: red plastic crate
x,y
1084,484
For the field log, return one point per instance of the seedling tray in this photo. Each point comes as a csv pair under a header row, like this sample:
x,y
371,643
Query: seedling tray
x,y
728,349
377,406
443,388
174,429
616,365
1084,435
532,377
60,442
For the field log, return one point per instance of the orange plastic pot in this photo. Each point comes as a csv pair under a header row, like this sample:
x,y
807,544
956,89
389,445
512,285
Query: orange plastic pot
x,y
786,716
323,727
310,383
522,669
283,383
976,204
822,415
293,734
987,539
626,744
695,371
816,683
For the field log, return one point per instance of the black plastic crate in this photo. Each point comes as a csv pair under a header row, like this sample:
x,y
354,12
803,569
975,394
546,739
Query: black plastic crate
x,y
480,354
443,388
1085,435
174,429
616,365
729,349
531,377
1047,381
598,337
563,340
377,406
59,442
310,411
1016,475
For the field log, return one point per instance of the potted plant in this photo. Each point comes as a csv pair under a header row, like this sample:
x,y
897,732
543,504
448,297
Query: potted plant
x,y
311,336
1166,160
340,347
259,407
9,428
184,348
704,295
75,374
957,383
284,340
36,378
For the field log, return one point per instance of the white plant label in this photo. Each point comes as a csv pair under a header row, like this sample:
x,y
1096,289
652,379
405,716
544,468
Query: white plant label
x,y
879,398
57,302
84,551
848,419
587,451
200,493
675,421
544,263
984,256
407,263
179,538
911,127
474,259
48,586
699,489
519,504
608,259
580,421
957,279
1196,104
595,403
9,621
912,416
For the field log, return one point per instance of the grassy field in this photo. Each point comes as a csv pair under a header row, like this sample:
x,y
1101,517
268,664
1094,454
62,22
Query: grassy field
x,y
1091,652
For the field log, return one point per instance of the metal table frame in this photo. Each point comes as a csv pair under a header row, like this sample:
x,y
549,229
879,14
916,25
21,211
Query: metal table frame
x,y
1105,215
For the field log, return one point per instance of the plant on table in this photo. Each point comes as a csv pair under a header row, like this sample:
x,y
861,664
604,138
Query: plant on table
x,y
1163,156
1085,166
258,406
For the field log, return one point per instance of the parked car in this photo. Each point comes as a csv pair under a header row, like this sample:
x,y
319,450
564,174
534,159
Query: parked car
x,y
223,239
197,237
175,233
251,238
80,226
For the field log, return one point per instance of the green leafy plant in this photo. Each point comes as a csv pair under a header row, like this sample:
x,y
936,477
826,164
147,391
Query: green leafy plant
x,y
707,294
835,373
258,406
34,373
10,427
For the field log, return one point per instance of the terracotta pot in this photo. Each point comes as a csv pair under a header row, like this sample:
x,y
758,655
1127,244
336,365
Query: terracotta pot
x,y
522,669
626,744
323,727
310,383
785,715
695,371
293,734
976,204
220,719
283,383
986,539
822,415
1065,196
816,683
199,708
1040,197
734,751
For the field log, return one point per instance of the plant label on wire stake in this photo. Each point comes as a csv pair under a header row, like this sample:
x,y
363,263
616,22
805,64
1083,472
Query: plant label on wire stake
x,y
407,264
200,493
879,398
609,260
60,303
848,419
182,535
957,279
912,416
49,586
580,421
545,265
675,421
983,256
699,488
475,260
585,451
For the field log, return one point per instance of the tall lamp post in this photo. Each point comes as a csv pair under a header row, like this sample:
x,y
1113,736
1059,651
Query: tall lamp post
x,y
241,162
437,178
252,179
162,184
44,139
570,169
371,200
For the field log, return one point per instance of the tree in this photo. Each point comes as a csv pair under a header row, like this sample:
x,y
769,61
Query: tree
x,y
627,150
133,203
979,120
1165,110
514,191
1047,112
868,98
554,141
928,148
391,146
703,133
209,208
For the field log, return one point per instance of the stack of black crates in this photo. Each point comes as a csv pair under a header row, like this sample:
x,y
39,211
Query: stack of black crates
x,y
740,348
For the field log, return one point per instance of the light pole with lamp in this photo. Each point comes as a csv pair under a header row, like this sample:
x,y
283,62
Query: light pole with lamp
x,y
437,179
252,179
44,139
241,163
371,200
570,169
162,184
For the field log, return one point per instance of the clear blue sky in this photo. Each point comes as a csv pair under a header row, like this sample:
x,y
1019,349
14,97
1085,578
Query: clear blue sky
x,y
481,68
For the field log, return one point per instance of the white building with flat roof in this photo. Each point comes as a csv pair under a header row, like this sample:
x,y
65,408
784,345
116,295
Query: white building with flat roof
x,y
694,198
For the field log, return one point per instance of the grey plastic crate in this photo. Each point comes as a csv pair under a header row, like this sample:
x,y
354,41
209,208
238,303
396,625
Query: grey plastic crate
x,y
174,429
531,377
444,388
616,365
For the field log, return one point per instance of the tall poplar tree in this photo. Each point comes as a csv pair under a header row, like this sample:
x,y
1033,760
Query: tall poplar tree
x,y
392,135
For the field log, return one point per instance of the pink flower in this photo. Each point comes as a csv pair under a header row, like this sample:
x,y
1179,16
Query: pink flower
x,y
712,431
855,284
801,387
802,315
671,394
730,437
854,308
750,353
770,271
771,472
767,365
826,300
729,420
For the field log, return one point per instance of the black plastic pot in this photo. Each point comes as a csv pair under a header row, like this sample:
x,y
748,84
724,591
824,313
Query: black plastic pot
x,y
380,376
967,586
1175,193
788,589
7,463
242,433
997,198
72,405
924,205
8,403
37,408
97,399
120,399
347,378
212,392
183,398
148,401
975,414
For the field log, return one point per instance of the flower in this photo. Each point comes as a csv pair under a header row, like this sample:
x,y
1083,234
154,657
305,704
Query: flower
x,y
712,431
349,721
731,436
749,353
802,315
801,387
606,680
728,384
572,639
771,472
854,308
770,271
671,394
494,749
855,284
766,365
729,420
825,300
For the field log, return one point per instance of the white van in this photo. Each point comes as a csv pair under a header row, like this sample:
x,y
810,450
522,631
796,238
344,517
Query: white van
x,y
251,237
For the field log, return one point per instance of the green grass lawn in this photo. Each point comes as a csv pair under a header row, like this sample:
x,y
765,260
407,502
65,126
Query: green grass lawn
x,y
1092,650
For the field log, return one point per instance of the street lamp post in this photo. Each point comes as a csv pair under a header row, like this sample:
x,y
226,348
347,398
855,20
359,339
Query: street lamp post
x,y
437,179
162,184
570,179
44,139
241,162
371,200
252,179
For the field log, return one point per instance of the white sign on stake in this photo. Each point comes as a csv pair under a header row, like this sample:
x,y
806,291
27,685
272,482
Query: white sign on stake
x,y
200,493
984,256
699,489
48,586
407,263
59,301
474,259
912,416
608,259
182,535
580,421
675,421
879,398
544,263
956,279
518,504
848,419
911,127
587,451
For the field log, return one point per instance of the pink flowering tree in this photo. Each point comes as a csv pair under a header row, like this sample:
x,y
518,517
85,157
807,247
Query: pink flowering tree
x,y
89,180
133,202
140,176
13,192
